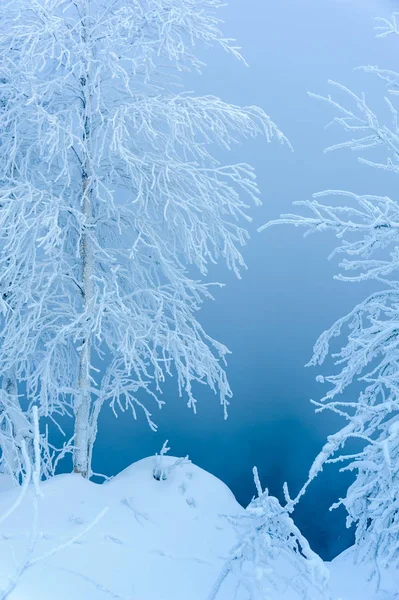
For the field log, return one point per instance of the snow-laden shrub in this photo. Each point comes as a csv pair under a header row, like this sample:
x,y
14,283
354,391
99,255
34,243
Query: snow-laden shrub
x,y
271,553
161,470
372,501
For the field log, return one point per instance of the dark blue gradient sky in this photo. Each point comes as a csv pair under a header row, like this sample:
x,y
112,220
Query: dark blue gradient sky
x,y
273,315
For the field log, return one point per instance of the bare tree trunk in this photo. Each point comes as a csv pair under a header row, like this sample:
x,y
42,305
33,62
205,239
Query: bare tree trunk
x,y
83,398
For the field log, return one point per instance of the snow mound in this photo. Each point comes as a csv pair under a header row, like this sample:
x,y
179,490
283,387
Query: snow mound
x,y
353,580
188,485
160,539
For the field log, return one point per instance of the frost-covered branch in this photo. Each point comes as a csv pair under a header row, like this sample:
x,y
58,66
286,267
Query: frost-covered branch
x,y
15,435
366,226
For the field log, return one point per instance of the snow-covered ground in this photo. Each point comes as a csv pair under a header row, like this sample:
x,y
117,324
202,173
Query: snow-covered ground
x,y
158,540
350,580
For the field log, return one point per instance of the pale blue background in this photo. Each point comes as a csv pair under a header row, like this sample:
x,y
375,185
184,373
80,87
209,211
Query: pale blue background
x,y
271,318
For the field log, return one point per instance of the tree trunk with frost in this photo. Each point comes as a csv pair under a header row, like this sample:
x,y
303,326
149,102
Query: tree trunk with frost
x,y
83,398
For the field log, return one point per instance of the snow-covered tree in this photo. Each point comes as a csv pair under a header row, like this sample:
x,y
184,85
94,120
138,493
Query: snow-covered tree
x,y
110,200
367,227
271,553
